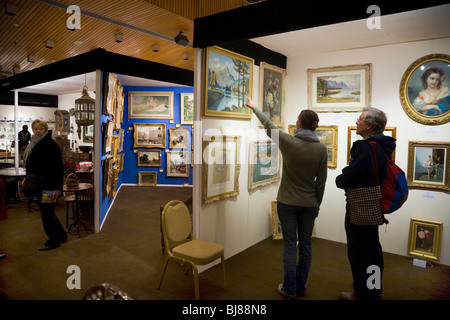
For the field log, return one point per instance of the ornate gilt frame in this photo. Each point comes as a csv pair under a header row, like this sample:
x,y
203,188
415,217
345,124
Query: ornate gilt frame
x,y
421,232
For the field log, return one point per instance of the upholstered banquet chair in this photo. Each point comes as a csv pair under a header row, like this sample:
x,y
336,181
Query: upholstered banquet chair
x,y
180,245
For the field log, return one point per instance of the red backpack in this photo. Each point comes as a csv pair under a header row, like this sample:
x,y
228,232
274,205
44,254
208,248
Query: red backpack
x,y
394,188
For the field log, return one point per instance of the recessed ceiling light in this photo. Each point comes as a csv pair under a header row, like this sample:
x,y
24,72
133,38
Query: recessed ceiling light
x,y
78,42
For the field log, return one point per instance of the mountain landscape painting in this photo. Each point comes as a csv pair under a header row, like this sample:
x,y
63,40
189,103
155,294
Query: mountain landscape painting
x,y
229,79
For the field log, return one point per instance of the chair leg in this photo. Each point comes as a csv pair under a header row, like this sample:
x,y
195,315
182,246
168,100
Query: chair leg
x,y
162,274
197,295
223,270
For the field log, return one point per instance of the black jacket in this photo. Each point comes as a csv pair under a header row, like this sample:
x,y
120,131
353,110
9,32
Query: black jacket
x,y
45,162
361,170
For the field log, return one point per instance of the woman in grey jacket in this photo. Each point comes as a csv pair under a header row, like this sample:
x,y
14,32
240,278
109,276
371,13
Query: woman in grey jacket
x,y
299,195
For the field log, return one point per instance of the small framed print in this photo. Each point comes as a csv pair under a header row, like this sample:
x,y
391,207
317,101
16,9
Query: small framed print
x,y
429,165
149,158
187,108
340,89
150,105
149,135
147,178
178,138
177,163
352,136
425,239
264,164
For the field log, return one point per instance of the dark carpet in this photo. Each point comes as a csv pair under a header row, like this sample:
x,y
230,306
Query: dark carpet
x,y
127,253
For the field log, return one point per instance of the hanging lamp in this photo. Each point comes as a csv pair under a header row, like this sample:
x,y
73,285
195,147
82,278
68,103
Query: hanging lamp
x,y
84,109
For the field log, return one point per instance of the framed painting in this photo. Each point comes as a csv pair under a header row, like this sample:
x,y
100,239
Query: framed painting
x,y
272,82
178,138
147,178
264,164
150,105
149,135
228,79
187,108
425,239
424,89
277,234
148,158
220,168
328,136
352,136
340,89
88,133
429,165
177,163
109,93
108,129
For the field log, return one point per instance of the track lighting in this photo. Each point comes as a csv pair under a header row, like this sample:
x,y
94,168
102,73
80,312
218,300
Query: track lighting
x,y
181,39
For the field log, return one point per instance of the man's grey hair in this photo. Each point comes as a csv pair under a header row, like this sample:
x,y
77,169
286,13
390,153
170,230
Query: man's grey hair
x,y
376,118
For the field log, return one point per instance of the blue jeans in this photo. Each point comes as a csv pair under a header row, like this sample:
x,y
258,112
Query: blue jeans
x,y
295,221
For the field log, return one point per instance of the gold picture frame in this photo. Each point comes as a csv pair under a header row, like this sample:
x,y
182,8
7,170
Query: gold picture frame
x,y
272,84
149,158
264,164
421,102
149,135
150,105
220,168
187,108
223,95
277,233
352,137
340,89
177,164
425,239
328,136
147,178
429,165
178,138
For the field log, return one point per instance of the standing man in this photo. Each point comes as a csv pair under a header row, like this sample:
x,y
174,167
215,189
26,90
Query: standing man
x,y
363,245
299,195
24,139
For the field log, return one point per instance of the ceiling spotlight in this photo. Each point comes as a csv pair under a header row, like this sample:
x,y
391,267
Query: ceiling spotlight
x,y
49,44
16,69
31,58
186,56
118,38
11,9
155,47
181,39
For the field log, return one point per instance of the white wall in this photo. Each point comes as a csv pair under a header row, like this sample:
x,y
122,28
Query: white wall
x,y
388,66
25,113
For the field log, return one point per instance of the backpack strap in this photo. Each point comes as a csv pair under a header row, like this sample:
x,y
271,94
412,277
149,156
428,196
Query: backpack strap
x,y
375,160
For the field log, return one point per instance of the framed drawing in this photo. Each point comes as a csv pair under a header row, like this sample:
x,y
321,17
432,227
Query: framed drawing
x,y
147,178
88,133
425,239
178,138
328,136
424,89
114,146
228,77
429,165
277,234
220,168
272,82
264,164
149,135
340,89
148,158
352,136
187,108
121,137
177,163
150,105
109,93
108,129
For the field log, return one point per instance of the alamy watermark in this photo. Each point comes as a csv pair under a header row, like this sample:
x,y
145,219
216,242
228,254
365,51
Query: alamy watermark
x,y
374,21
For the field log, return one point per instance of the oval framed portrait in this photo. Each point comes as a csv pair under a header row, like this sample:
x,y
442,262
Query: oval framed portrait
x,y
425,89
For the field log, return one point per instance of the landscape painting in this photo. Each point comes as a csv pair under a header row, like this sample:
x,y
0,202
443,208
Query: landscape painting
x,y
150,105
339,89
229,78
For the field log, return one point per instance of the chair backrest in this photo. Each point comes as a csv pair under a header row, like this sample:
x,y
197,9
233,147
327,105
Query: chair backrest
x,y
176,224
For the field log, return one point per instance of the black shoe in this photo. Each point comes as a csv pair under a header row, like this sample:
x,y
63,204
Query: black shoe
x,y
2,255
46,248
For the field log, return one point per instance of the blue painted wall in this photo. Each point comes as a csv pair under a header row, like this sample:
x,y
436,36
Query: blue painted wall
x,y
130,175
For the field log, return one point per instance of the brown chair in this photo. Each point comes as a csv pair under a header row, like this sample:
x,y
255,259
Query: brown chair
x,y
180,245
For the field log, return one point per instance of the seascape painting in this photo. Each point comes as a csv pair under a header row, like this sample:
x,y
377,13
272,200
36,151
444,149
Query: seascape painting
x,y
229,80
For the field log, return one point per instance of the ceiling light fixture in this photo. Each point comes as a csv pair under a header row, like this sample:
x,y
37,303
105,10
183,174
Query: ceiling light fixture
x,y
11,9
49,44
16,69
84,109
181,39
155,47
118,38
31,58
186,56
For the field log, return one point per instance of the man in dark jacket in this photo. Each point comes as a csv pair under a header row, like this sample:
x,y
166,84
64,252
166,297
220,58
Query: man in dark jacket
x,y
363,244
